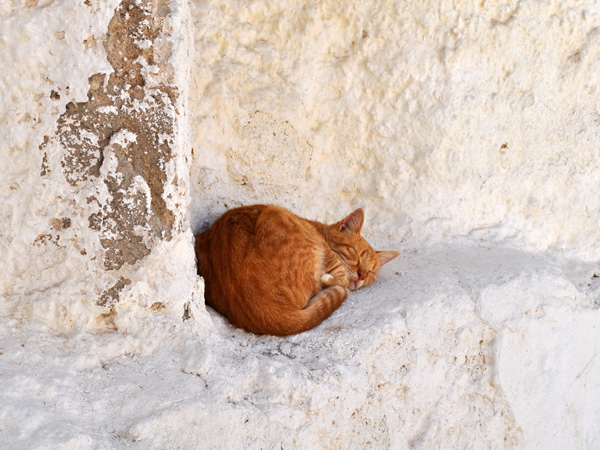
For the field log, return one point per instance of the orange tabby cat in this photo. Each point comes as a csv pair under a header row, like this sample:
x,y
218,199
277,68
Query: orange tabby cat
x,y
272,272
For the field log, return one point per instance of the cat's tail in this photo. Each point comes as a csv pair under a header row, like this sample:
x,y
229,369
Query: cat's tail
x,y
319,308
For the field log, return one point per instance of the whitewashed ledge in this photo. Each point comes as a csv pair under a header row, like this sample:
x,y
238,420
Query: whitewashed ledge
x,y
453,347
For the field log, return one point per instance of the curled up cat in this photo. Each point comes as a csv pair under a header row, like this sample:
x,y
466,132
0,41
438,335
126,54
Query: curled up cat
x,y
271,272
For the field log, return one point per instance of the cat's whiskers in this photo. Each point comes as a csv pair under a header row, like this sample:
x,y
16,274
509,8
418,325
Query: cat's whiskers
x,y
306,267
355,284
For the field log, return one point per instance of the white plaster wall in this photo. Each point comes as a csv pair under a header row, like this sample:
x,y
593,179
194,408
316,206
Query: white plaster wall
x,y
52,272
451,123
444,119
42,51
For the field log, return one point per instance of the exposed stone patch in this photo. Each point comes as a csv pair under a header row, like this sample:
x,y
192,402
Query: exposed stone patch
x,y
108,320
111,296
56,225
187,312
45,238
118,143
60,224
157,306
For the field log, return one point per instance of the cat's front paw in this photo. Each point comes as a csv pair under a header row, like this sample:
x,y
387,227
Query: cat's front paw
x,y
328,280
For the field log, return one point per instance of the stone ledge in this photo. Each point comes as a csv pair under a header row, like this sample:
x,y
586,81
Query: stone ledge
x,y
453,347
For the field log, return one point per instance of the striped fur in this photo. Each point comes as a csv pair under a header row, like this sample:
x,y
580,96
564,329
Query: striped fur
x,y
271,272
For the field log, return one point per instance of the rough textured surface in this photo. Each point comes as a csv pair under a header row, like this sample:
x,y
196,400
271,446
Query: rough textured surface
x,y
442,119
470,133
123,137
111,183
453,347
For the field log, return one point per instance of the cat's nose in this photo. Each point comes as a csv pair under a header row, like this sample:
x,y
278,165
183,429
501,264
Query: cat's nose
x,y
361,276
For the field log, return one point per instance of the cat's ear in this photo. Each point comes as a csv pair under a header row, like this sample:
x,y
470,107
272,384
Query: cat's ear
x,y
386,256
353,222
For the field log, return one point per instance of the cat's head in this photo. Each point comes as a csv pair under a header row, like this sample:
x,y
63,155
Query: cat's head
x,y
360,260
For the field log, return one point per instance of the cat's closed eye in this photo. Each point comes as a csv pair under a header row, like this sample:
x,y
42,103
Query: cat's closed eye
x,y
301,290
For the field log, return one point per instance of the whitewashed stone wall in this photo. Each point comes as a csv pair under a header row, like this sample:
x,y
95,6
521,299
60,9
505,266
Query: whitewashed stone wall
x,y
469,131
94,177
444,119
